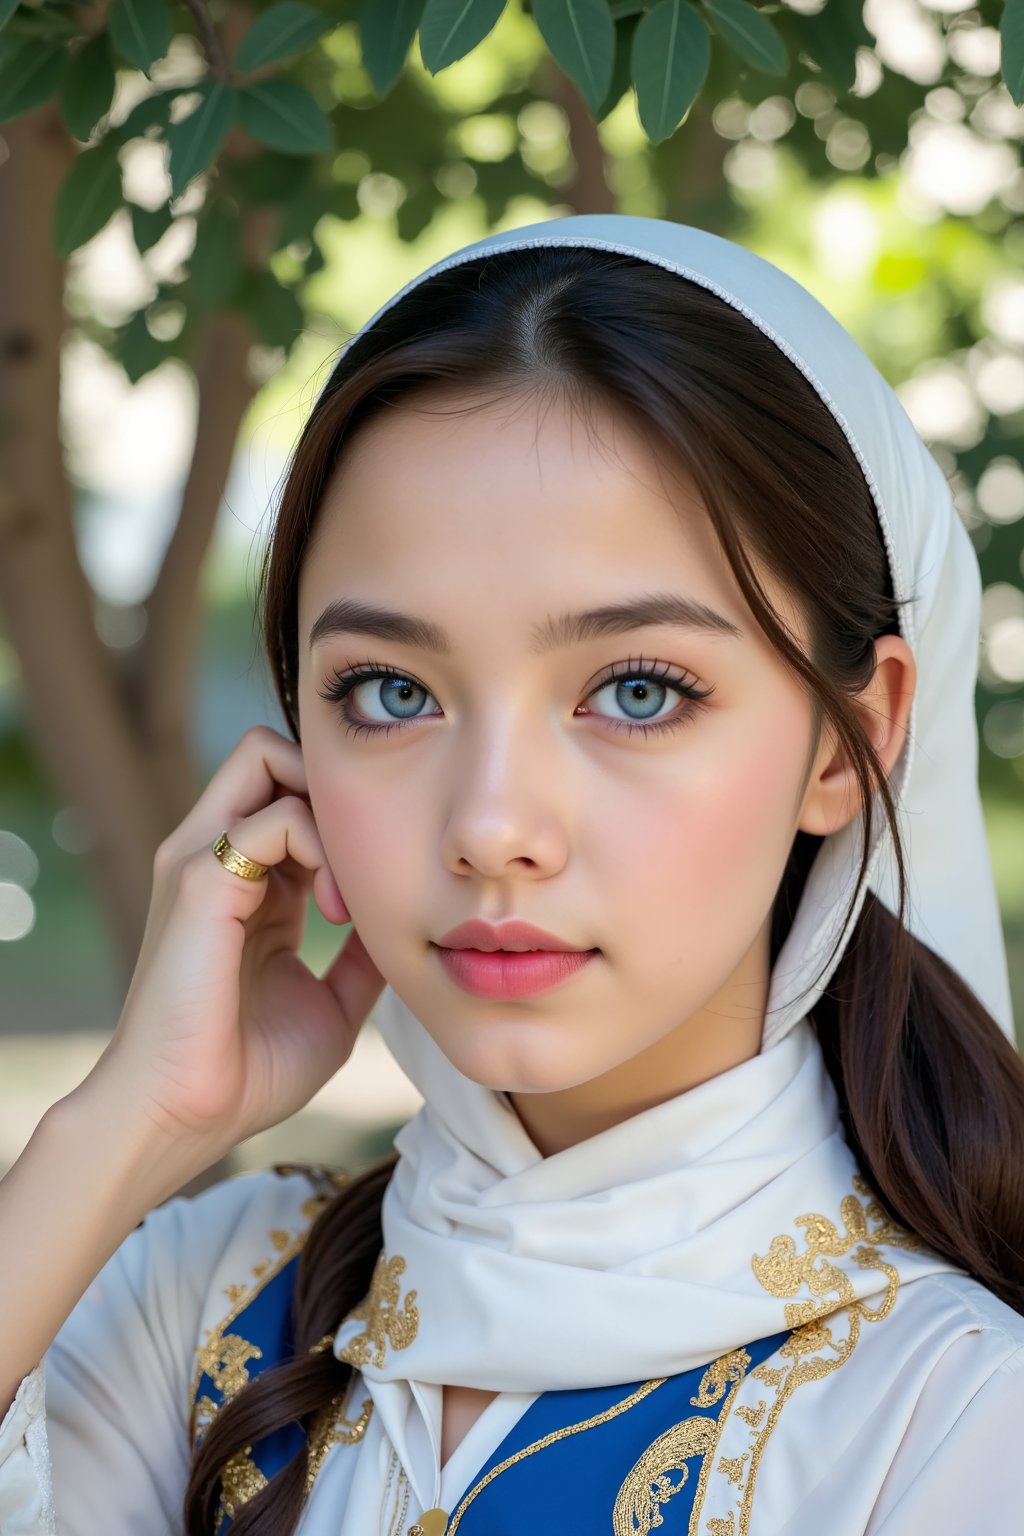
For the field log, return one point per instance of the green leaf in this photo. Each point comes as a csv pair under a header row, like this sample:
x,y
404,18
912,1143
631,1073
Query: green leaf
x,y
851,13
452,28
621,79
139,352
7,10
581,37
750,34
149,225
285,116
314,262
217,258
47,22
272,310
261,179
1011,34
414,212
153,111
140,30
280,32
29,75
386,32
194,141
87,89
302,212
831,39
88,196
670,60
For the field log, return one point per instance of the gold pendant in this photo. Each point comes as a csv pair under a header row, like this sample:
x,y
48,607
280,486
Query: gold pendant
x,y
432,1522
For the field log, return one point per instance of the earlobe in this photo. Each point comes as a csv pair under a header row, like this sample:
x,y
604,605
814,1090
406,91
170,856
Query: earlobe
x,y
833,795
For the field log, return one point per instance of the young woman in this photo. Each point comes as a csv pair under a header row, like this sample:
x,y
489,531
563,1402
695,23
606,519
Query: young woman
x,y
627,635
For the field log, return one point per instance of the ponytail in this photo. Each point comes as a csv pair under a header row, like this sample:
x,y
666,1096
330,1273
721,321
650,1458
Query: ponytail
x,y
931,1094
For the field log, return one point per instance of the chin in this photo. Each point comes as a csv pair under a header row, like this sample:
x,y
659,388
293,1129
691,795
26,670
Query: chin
x,y
518,1068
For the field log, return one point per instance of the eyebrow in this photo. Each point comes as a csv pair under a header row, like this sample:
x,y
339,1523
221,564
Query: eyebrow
x,y
347,616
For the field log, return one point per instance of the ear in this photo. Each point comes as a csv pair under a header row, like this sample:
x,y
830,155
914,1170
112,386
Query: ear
x,y
832,798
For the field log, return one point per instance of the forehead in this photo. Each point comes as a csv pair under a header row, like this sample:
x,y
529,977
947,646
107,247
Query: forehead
x,y
465,478
498,509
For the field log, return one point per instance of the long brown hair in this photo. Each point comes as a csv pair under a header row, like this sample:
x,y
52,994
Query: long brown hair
x,y
931,1092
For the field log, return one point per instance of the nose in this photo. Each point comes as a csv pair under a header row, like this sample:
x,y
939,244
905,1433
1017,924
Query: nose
x,y
504,814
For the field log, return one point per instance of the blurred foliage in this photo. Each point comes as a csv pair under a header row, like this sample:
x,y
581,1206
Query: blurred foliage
x,y
380,133
307,84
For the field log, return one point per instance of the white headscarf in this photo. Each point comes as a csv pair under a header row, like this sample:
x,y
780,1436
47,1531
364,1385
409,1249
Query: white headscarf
x,y
637,1252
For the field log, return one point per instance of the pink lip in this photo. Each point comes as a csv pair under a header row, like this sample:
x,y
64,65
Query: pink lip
x,y
500,974
511,935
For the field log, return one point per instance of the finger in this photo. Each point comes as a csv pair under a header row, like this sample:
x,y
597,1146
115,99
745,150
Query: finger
x,y
259,764
283,830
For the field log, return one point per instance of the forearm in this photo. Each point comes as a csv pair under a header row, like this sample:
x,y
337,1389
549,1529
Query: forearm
x,y
83,1183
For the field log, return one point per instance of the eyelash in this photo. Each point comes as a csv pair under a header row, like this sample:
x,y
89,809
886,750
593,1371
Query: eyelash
x,y
338,687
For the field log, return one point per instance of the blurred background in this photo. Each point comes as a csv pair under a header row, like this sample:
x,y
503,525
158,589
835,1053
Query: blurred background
x,y
169,312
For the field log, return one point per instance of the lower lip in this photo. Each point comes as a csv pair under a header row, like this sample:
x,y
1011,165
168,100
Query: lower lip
x,y
506,975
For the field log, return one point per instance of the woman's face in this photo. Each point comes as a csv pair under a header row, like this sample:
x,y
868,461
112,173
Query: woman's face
x,y
514,773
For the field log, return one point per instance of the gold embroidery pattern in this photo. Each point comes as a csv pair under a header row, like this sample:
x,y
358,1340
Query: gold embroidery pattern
x,y
783,1271
202,1415
727,1371
331,1427
648,1485
241,1481
286,1245
225,1357
542,1445
231,1358
719,1375
733,1466
812,1350
386,1324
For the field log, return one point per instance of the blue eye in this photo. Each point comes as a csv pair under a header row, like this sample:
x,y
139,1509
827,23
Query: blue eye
x,y
401,698
640,688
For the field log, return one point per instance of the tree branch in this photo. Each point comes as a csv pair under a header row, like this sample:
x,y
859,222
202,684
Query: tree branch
x,y
588,190
213,48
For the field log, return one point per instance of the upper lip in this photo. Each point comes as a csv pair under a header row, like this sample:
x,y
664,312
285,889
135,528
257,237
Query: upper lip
x,y
512,935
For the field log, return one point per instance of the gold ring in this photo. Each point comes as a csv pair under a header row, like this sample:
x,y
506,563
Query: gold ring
x,y
237,862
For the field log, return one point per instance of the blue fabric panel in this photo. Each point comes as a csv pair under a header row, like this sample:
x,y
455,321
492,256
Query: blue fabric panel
x,y
572,1484
266,1323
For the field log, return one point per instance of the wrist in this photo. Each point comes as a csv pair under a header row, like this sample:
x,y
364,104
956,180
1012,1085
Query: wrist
x,y
115,1147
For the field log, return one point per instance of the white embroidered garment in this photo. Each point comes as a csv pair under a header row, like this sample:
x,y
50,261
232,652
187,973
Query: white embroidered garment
x,y
718,1218
914,1431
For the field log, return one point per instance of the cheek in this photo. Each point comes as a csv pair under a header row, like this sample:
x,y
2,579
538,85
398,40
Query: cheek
x,y
699,854
369,838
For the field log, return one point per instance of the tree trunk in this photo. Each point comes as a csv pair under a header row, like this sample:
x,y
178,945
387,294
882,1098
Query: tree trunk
x,y
121,755
75,714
